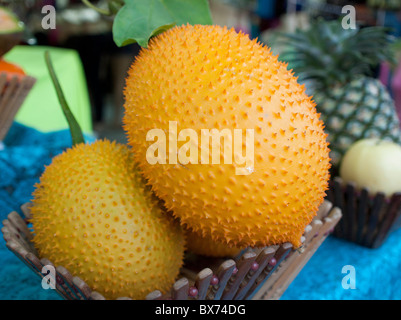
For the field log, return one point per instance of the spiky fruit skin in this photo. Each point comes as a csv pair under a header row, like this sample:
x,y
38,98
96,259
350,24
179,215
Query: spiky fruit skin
x,y
92,215
205,246
361,109
208,77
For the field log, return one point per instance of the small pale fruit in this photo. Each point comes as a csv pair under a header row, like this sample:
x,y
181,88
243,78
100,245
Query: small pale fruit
x,y
195,81
374,164
92,214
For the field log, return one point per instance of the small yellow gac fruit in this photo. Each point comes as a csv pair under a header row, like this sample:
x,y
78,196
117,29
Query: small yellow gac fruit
x,y
226,136
92,214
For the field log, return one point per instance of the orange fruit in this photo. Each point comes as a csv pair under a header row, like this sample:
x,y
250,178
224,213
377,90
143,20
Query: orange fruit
x,y
261,185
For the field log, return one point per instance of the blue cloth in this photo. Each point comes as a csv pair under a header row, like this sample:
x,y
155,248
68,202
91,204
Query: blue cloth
x,y
27,151
377,272
25,155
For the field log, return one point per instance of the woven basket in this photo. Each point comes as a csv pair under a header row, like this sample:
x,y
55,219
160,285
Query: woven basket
x,y
367,219
263,273
12,94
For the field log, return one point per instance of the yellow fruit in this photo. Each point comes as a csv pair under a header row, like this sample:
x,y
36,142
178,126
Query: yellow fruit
x,y
92,215
373,164
193,78
205,246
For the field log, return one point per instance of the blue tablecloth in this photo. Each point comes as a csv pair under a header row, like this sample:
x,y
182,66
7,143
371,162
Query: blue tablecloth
x,y
27,151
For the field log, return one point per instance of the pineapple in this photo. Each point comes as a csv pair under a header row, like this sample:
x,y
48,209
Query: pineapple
x,y
385,4
336,66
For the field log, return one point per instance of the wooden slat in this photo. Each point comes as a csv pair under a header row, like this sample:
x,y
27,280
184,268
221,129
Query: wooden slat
x,y
34,261
338,202
243,267
155,295
264,272
83,289
16,248
11,99
324,209
180,289
391,214
66,282
223,273
270,272
202,282
350,209
26,210
314,232
375,212
96,296
362,215
262,259
14,229
20,225
3,80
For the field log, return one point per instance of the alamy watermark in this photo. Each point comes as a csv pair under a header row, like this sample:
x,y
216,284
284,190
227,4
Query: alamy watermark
x,y
349,20
49,277
49,19
165,149
349,280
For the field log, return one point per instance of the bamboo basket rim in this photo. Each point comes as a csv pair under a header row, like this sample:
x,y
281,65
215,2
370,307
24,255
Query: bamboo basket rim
x,y
255,274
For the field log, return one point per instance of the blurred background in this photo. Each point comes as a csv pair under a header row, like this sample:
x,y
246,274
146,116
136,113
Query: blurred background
x,y
105,65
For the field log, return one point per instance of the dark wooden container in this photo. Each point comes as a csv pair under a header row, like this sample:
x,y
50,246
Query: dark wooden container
x,y
367,219
256,273
12,94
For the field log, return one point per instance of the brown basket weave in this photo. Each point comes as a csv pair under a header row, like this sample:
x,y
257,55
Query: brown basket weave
x,y
12,94
238,279
367,219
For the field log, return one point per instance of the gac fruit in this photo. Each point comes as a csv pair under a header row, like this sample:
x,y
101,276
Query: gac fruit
x,y
207,247
196,101
92,214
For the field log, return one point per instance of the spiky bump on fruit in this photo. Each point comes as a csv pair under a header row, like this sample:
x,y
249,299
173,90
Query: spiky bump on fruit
x,y
205,246
209,77
92,215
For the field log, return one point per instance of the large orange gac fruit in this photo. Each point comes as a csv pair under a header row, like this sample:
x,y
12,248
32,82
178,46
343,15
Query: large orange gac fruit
x,y
205,246
209,77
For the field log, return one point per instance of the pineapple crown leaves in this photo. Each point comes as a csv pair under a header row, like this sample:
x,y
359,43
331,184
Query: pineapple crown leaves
x,y
328,54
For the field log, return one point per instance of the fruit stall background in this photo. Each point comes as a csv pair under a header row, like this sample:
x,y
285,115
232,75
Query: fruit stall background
x,y
92,69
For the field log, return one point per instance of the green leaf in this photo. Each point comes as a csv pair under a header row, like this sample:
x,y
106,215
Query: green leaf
x,y
76,132
139,20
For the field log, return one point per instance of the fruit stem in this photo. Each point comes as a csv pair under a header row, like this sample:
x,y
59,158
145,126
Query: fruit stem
x,y
101,11
75,129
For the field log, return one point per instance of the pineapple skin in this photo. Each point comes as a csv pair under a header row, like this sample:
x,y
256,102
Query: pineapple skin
x,y
361,109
